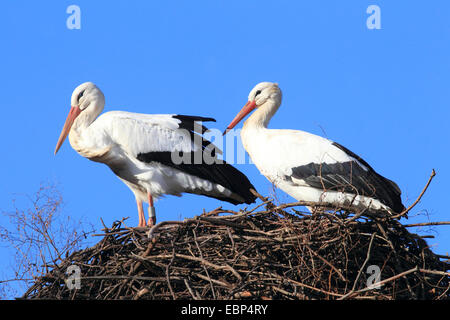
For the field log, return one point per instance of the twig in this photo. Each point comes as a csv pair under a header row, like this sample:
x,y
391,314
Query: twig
x,y
404,212
168,274
423,224
194,296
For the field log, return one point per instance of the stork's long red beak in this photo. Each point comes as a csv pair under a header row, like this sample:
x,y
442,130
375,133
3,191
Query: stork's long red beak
x,y
73,114
249,107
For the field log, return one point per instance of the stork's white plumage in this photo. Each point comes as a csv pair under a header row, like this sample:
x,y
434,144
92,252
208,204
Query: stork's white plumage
x,y
309,167
140,150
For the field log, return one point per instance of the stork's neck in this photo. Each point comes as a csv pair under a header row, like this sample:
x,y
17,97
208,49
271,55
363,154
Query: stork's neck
x,y
80,135
86,118
261,116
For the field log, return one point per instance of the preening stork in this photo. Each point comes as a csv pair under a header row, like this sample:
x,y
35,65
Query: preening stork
x,y
153,155
309,167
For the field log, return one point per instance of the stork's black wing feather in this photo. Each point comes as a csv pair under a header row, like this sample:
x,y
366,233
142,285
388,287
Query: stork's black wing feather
x,y
193,125
353,177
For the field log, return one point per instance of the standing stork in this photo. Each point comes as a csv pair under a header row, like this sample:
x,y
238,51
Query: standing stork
x,y
144,152
309,167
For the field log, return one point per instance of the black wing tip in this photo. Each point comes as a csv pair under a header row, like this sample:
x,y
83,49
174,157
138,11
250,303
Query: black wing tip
x,y
398,207
182,117
238,183
191,123
247,199
241,184
233,201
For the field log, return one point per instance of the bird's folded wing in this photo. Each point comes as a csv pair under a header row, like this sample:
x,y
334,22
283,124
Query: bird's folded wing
x,y
143,133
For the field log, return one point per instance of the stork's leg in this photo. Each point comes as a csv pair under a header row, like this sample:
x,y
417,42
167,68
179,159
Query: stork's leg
x,y
151,210
141,213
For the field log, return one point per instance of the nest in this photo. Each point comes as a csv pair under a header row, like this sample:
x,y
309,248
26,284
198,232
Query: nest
x,y
271,252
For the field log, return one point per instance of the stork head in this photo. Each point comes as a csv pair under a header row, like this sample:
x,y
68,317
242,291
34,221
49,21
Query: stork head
x,y
262,93
87,100
87,95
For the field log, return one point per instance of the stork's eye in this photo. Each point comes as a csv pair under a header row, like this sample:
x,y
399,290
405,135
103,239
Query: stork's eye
x,y
257,92
80,95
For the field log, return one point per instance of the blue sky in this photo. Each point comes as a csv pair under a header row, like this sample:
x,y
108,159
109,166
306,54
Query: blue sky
x,y
384,94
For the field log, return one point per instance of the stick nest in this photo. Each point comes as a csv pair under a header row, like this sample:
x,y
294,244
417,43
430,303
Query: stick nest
x,y
274,253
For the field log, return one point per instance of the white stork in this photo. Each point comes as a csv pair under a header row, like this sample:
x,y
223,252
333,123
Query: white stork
x,y
140,150
309,167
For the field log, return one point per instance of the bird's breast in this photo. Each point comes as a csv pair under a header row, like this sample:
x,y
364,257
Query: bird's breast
x,y
90,151
265,156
